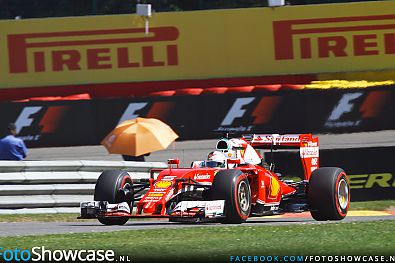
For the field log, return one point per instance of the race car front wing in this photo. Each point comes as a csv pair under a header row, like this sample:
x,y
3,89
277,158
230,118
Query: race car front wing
x,y
202,209
184,209
93,209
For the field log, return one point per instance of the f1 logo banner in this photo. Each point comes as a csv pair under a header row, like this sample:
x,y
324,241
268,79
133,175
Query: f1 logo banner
x,y
49,121
256,111
42,124
360,109
85,122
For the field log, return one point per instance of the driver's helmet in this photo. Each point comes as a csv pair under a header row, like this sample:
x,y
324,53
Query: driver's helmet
x,y
215,159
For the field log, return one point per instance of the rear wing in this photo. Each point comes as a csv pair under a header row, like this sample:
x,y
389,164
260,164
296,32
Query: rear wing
x,y
286,141
307,144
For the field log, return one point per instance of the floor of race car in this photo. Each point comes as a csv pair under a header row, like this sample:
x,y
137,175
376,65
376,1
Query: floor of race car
x,y
34,228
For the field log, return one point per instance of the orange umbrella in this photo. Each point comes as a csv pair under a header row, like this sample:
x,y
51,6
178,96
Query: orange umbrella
x,y
139,136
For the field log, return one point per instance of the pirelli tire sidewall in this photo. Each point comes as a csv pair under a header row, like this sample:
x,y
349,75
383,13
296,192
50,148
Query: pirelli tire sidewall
x,y
323,194
107,189
226,186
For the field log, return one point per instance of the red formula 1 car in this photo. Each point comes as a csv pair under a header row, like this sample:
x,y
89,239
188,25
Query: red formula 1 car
x,y
244,186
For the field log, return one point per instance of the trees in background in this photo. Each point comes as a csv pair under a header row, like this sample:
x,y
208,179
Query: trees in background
x,y
9,9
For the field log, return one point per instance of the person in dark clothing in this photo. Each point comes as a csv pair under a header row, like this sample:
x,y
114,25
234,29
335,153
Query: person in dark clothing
x,y
133,158
12,148
140,158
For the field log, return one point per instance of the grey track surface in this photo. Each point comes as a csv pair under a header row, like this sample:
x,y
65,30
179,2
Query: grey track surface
x,y
188,151
29,229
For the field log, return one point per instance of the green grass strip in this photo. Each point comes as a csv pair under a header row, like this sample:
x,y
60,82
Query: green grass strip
x,y
219,243
371,205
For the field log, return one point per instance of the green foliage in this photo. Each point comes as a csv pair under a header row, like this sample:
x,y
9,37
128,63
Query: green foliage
x,y
9,9
217,244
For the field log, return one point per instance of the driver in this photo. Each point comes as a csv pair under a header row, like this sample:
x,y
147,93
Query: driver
x,y
216,159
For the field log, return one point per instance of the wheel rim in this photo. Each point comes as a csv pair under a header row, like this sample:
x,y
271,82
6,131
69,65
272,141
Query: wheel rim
x,y
343,194
125,182
243,194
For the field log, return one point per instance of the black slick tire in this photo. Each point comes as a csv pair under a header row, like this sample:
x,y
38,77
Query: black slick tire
x,y
328,194
233,187
107,189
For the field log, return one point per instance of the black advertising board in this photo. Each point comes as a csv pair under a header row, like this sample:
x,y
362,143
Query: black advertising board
x,y
86,122
46,124
371,171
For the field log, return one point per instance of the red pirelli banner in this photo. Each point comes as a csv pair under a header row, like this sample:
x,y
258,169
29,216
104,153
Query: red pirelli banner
x,y
96,58
333,40
251,42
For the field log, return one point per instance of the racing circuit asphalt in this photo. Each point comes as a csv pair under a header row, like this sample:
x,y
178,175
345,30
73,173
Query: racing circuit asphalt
x,y
186,151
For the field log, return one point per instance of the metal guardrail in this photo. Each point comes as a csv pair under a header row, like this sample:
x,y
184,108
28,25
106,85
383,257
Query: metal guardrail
x,y
57,186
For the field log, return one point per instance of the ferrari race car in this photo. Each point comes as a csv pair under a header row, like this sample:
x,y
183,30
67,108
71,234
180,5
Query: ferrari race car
x,y
244,186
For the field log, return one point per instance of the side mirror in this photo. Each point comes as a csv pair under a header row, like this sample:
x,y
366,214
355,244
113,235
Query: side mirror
x,y
272,166
173,161
234,161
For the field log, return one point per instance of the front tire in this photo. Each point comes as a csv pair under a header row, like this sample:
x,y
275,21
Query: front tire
x,y
233,187
107,189
328,194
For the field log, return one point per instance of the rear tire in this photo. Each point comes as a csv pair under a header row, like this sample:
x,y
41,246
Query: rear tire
x,y
328,194
233,187
106,189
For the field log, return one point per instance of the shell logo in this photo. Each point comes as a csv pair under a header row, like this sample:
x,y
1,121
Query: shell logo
x,y
163,184
274,187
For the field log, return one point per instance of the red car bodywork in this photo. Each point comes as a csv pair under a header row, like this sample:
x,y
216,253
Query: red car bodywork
x,y
249,183
266,187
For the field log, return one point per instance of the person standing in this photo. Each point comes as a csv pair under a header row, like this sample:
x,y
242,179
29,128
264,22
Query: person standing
x,y
140,158
12,148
